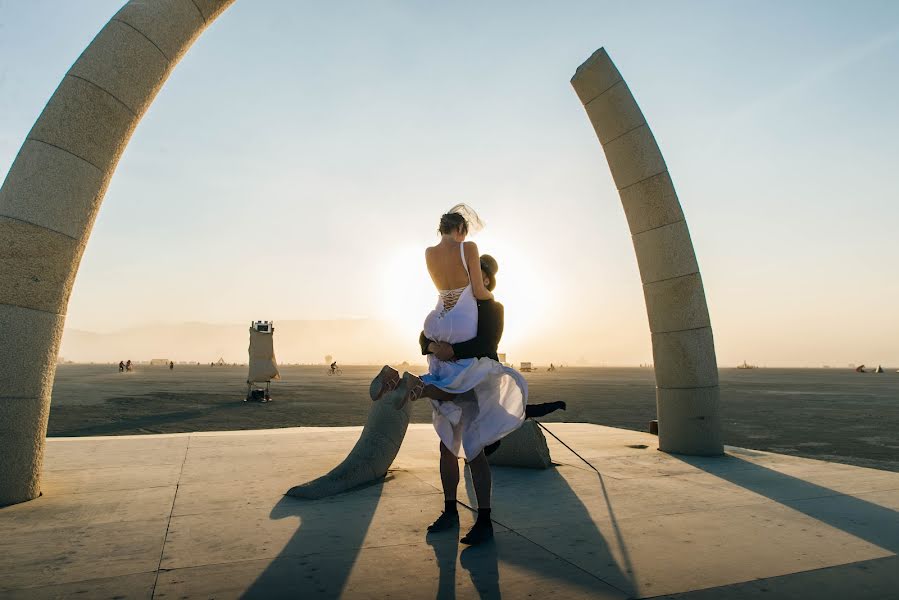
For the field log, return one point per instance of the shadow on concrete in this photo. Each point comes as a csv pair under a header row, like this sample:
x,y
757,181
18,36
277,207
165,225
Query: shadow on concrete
x,y
482,564
866,520
317,560
546,499
446,548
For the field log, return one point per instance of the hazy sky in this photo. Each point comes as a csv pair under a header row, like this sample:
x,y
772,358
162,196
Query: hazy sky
x,y
296,162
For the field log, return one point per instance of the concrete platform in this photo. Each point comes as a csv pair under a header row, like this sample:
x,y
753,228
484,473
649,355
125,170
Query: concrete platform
x,y
202,516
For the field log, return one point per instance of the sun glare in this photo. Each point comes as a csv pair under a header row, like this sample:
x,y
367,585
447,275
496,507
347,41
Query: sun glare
x,y
406,291
525,287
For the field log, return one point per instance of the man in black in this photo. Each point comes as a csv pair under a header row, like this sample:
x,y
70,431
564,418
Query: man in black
x,y
486,341
483,345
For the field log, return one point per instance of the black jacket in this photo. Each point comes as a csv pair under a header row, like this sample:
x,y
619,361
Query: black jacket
x,y
485,343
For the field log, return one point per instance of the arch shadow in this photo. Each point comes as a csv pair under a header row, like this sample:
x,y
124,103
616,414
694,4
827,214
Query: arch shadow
x,y
861,518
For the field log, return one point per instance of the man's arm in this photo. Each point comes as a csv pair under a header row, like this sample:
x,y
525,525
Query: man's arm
x,y
425,342
490,330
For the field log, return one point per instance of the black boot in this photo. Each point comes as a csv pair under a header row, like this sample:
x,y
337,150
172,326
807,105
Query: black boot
x,y
482,530
541,410
448,519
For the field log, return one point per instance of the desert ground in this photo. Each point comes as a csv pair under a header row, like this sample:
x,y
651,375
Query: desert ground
x,y
829,414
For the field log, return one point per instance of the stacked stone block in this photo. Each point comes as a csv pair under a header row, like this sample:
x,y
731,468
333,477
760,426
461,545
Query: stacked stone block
x,y
683,348
50,199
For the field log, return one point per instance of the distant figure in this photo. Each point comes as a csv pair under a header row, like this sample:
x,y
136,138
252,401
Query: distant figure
x,y
171,365
552,367
128,366
121,367
860,369
333,367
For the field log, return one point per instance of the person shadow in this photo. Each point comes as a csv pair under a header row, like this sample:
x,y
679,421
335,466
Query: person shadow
x,y
318,559
481,562
551,493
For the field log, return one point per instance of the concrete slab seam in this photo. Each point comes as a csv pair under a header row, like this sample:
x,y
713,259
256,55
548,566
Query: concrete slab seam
x,y
202,16
104,90
33,139
680,330
643,124
633,235
39,225
671,279
550,552
609,89
164,55
35,310
620,80
665,170
168,523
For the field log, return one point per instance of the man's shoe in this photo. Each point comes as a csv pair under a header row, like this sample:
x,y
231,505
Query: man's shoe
x,y
480,533
446,520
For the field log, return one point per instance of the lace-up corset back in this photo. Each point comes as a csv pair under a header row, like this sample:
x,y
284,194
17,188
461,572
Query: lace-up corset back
x,y
449,298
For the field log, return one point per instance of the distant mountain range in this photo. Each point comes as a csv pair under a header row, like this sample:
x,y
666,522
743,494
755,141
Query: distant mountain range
x,y
350,341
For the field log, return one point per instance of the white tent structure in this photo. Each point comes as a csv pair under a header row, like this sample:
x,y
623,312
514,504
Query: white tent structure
x,y
263,366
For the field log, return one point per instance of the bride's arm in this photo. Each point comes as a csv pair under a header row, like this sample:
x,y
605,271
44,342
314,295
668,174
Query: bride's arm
x,y
474,270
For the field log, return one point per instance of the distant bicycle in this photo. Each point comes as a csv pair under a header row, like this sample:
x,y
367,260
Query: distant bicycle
x,y
335,371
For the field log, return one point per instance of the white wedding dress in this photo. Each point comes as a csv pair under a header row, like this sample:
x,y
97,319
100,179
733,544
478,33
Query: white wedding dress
x,y
491,398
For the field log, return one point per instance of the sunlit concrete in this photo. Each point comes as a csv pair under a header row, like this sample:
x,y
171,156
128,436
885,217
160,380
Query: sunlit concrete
x,y
203,515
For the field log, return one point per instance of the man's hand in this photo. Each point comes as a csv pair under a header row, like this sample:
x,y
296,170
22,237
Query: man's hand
x,y
444,351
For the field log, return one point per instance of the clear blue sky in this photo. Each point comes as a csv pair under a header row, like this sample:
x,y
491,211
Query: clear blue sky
x,y
309,147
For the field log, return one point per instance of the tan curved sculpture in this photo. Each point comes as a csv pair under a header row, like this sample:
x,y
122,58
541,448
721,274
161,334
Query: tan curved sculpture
x,y
369,459
56,184
682,345
50,199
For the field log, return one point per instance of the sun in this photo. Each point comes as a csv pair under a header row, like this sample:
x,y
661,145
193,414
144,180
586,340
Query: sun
x,y
524,287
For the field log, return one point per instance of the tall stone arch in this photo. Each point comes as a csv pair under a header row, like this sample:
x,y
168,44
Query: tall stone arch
x,y
683,350
56,184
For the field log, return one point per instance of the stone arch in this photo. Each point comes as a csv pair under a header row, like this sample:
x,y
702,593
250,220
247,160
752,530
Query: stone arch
x,y
57,182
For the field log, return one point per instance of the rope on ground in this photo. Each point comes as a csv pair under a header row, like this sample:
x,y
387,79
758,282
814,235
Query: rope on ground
x,y
543,427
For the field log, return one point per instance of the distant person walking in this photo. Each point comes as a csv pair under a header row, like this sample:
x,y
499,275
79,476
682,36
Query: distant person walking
x,y
121,367
128,366
171,365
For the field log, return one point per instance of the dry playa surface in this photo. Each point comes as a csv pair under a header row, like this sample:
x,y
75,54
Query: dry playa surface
x,y
829,414
202,515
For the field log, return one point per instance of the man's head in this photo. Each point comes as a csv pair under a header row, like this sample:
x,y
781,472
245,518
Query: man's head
x,y
489,267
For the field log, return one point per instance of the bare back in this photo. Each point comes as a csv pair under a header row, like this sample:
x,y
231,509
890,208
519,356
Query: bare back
x,y
445,266
447,271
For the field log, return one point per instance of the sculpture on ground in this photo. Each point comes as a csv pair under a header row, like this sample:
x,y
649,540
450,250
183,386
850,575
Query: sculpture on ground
x,y
56,184
683,349
369,459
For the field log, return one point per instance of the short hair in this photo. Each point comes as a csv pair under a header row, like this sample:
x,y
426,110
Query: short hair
x,y
489,267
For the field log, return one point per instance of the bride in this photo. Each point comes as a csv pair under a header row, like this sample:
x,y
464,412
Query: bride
x,y
476,401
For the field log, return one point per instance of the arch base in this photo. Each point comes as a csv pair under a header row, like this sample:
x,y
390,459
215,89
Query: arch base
x,y
689,421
